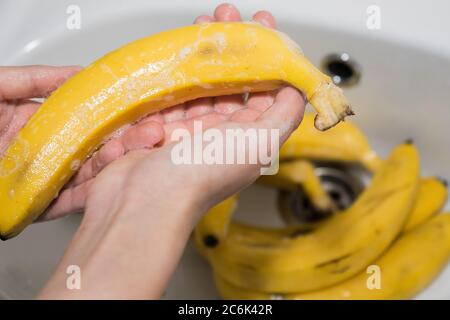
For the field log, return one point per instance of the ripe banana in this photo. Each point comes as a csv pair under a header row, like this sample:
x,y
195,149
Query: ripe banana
x,y
340,248
431,198
140,78
432,195
404,269
343,143
295,173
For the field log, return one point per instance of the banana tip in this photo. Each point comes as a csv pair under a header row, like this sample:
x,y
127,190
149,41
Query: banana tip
x,y
323,123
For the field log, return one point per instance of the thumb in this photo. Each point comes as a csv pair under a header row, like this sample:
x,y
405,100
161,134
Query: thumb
x,y
285,114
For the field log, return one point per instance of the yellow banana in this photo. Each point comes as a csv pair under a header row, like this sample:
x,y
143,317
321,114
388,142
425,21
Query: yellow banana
x,y
293,173
413,261
343,143
305,143
431,198
340,248
213,227
140,78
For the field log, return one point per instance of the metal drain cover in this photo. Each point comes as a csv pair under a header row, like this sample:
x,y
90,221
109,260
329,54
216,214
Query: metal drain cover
x,y
343,183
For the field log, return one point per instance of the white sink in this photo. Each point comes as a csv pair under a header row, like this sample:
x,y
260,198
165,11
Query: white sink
x,y
404,92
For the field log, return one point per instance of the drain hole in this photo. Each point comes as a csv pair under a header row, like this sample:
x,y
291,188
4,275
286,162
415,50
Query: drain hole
x,y
335,196
342,183
341,69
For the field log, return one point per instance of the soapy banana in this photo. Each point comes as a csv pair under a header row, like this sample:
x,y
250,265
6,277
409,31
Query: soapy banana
x,y
339,249
140,78
409,266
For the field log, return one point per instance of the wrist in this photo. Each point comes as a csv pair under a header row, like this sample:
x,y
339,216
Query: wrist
x,y
138,245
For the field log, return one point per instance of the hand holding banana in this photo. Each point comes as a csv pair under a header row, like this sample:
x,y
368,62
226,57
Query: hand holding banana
x,y
207,60
143,77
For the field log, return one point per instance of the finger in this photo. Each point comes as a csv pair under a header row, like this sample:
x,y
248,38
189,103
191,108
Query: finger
x,y
203,19
228,104
70,201
154,117
32,81
207,121
84,173
170,128
111,151
285,114
7,111
199,107
12,119
265,18
260,101
142,135
227,12
175,113
245,115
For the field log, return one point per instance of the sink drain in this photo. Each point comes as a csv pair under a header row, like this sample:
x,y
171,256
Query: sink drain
x,y
342,183
343,70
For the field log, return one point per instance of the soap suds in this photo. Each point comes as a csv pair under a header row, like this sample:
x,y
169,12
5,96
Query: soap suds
x,y
184,52
291,44
20,149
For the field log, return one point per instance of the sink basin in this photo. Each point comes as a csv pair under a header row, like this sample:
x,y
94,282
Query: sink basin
x,y
403,93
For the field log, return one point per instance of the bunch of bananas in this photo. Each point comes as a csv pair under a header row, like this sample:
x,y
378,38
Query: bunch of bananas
x,y
391,226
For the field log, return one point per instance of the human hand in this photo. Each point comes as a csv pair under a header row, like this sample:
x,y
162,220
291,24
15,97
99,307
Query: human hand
x,y
142,207
18,85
